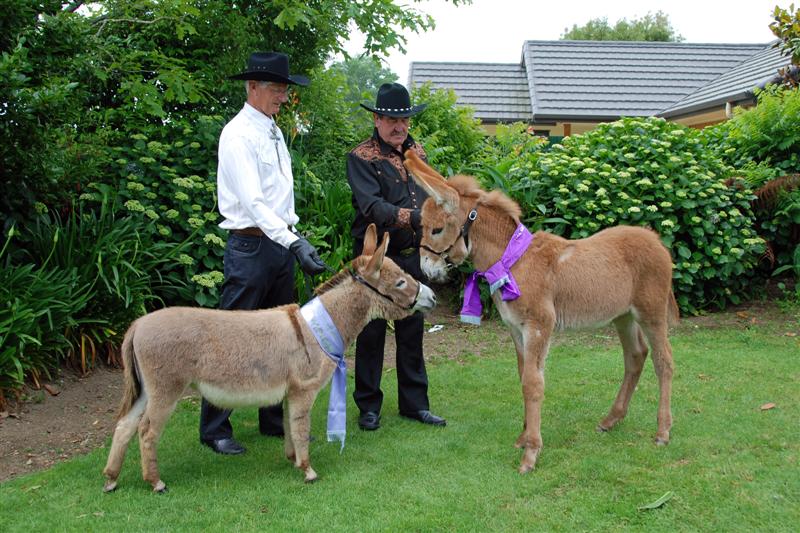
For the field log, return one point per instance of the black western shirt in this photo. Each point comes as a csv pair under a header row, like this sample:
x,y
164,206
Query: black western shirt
x,y
384,193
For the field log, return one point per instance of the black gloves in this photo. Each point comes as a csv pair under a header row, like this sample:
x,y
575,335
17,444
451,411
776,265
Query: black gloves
x,y
308,257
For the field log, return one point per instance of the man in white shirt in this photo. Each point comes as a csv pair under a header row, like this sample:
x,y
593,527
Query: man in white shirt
x,y
255,191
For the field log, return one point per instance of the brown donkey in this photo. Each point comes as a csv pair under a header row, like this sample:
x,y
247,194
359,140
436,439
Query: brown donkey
x,y
238,358
621,275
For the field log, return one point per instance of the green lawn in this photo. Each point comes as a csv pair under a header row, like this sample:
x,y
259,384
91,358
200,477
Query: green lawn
x,y
731,465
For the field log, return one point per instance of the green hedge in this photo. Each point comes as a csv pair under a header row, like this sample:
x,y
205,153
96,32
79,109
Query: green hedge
x,y
647,172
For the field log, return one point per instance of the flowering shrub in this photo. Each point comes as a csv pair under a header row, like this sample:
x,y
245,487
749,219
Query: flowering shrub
x,y
763,143
648,172
173,184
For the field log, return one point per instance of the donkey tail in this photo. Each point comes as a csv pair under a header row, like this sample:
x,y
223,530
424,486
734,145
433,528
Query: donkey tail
x,y
132,387
673,312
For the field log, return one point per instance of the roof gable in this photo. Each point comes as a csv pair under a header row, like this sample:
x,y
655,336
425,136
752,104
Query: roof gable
x,y
734,85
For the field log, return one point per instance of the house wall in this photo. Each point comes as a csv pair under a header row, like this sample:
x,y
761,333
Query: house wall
x,y
701,120
559,129
564,129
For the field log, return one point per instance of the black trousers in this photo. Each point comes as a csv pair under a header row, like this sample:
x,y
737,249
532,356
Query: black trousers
x,y
259,274
412,378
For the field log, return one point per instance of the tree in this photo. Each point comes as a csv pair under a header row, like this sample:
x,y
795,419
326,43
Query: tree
x,y
363,76
786,27
83,77
648,28
451,135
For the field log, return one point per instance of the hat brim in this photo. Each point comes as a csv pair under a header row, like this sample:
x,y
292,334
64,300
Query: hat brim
x,y
399,113
293,79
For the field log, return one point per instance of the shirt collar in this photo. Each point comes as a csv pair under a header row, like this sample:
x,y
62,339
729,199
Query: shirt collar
x,y
257,116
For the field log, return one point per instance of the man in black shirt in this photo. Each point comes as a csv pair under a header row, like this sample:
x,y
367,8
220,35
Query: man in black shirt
x,y
383,194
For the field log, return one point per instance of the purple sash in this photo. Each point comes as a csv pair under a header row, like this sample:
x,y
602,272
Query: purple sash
x,y
331,342
498,276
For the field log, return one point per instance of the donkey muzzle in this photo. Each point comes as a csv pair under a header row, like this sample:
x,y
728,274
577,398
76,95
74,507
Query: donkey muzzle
x,y
426,299
434,267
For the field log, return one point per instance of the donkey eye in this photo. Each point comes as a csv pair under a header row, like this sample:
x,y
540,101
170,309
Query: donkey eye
x,y
436,231
400,284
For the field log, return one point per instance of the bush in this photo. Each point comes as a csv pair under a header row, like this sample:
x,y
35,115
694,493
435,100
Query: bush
x,y
111,254
166,177
763,143
40,308
648,172
452,138
768,133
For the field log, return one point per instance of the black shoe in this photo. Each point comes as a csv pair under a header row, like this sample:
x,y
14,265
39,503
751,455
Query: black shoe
x,y
225,446
369,420
426,417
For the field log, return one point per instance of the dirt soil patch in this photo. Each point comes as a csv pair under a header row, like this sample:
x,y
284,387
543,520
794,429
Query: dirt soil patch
x,y
77,414
45,429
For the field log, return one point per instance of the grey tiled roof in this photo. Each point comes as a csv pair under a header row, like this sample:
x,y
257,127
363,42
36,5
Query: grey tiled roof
x,y
604,80
498,92
601,80
734,85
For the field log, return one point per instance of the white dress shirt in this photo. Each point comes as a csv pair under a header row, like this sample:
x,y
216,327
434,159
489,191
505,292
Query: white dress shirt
x,y
255,187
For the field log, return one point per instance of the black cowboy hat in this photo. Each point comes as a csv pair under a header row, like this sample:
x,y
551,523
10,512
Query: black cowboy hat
x,y
270,66
393,101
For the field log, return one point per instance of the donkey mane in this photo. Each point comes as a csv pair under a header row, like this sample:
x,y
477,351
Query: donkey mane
x,y
467,186
341,276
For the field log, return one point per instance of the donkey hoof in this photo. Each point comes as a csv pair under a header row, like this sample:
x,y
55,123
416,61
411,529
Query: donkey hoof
x,y
311,476
160,487
111,486
659,441
601,429
525,468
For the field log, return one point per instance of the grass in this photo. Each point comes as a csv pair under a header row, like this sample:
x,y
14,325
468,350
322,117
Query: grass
x,y
730,465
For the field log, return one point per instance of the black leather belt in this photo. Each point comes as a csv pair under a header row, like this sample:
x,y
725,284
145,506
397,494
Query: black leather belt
x,y
252,232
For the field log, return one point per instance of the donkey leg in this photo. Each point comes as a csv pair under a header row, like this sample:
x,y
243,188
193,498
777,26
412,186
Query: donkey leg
x,y
126,427
536,343
150,428
516,336
299,409
288,442
634,352
662,362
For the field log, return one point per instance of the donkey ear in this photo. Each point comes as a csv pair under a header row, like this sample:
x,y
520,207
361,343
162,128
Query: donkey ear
x,y
370,240
443,194
415,164
376,261
434,183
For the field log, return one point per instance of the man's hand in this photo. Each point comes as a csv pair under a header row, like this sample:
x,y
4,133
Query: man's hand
x,y
308,257
416,220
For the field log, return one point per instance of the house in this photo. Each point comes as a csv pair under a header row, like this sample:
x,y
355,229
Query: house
x,y
565,87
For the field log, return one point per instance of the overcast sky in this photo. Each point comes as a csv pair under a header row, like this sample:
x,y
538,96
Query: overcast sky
x,y
494,30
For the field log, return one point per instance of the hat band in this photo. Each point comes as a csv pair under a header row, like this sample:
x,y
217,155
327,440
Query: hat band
x,y
392,109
